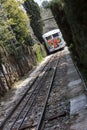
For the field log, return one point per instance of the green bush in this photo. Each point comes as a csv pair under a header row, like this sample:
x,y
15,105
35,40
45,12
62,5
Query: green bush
x,y
39,52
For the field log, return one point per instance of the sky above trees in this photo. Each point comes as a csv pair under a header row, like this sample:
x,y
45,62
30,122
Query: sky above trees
x,y
40,1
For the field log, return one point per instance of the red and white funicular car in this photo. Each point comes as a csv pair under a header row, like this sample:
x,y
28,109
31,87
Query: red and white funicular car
x,y
54,40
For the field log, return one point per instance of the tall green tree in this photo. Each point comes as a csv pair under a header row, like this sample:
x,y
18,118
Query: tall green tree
x,y
33,11
17,19
5,39
71,18
6,35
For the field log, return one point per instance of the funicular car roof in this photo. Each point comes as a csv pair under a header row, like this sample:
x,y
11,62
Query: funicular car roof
x,y
50,33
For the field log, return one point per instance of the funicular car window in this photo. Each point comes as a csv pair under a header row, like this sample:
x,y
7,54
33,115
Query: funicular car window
x,y
55,35
48,38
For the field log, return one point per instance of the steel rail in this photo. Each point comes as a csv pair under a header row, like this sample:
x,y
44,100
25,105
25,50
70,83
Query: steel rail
x,y
40,121
32,102
18,103
50,87
27,101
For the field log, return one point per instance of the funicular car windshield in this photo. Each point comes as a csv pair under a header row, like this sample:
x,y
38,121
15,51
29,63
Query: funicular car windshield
x,y
55,35
53,40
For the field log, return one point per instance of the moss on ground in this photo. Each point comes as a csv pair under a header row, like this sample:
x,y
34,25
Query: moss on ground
x,y
39,52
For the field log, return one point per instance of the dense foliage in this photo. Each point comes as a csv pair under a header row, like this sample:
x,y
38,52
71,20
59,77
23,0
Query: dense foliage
x,y
59,15
71,18
6,34
17,19
33,11
17,56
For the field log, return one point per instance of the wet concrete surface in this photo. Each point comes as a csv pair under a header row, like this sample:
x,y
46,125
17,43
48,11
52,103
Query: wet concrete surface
x,y
77,103
80,123
77,96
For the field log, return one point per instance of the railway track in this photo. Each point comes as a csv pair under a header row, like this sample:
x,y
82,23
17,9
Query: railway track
x,y
32,111
58,107
34,101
